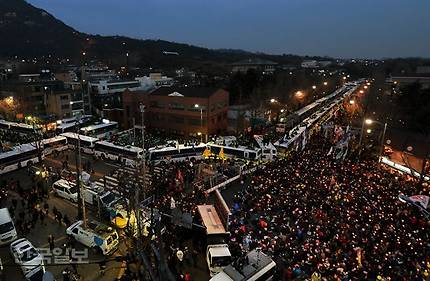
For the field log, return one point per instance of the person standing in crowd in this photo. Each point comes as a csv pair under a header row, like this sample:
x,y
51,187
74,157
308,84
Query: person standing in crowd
x,y
51,242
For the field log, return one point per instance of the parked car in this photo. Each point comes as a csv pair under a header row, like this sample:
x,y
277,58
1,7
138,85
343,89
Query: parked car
x,y
65,189
28,258
7,228
95,235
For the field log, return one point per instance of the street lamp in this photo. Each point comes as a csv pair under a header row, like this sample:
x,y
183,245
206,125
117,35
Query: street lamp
x,y
325,83
352,102
299,94
273,100
370,122
314,87
369,131
201,121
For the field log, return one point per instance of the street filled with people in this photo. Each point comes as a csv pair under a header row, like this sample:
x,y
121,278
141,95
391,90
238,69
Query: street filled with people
x,y
326,209
341,220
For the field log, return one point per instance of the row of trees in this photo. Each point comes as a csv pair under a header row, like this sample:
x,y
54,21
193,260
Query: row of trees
x,y
414,100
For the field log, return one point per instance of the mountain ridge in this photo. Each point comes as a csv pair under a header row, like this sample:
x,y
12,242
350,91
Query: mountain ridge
x,y
32,32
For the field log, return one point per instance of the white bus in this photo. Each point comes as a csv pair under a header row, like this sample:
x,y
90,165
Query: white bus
x,y
103,130
5,125
20,128
73,119
128,155
178,153
55,144
20,156
237,152
69,124
87,143
255,266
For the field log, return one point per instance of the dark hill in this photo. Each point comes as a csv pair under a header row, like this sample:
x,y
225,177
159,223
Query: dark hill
x,y
28,32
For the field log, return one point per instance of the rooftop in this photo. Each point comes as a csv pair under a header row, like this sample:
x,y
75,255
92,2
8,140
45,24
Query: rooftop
x,y
200,92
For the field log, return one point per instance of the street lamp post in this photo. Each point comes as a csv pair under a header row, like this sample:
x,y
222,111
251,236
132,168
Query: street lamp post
x,y
381,150
365,121
369,122
201,121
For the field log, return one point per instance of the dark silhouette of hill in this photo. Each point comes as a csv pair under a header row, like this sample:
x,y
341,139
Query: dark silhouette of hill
x,y
29,32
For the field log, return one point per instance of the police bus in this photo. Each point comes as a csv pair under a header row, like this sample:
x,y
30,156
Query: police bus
x,y
128,155
103,130
54,145
178,153
20,156
69,124
20,128
87,143
240,152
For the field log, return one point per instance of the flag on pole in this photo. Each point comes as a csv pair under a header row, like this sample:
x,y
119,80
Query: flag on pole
x,y
206,153
423,200
330,151
179,176
304,141
221,154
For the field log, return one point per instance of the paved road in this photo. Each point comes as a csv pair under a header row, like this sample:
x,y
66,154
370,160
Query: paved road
x,y
38,235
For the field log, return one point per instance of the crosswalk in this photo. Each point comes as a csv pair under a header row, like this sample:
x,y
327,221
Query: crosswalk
x,y
127,177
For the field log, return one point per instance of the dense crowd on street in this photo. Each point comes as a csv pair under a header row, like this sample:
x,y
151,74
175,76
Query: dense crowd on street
x,y
341,220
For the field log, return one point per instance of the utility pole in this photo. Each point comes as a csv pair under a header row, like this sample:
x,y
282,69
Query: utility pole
x,y
81,200
137,193
381,150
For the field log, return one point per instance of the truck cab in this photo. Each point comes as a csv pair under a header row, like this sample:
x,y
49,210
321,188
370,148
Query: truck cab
x,y
95,235
218,254
256,265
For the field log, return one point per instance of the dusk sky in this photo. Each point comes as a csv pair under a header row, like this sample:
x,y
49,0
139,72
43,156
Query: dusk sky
x,y
338,28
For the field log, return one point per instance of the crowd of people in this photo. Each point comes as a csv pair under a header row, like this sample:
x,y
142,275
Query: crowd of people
x,y
326,218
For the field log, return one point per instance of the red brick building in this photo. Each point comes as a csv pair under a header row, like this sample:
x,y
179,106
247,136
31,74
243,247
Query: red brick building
x,y
180,111
188,111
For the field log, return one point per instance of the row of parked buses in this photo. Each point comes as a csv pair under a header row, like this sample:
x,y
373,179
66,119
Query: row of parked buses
x,y
105,129
31,153
19,128
298,116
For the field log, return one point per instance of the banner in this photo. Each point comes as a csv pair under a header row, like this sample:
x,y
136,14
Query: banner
x,y
423,200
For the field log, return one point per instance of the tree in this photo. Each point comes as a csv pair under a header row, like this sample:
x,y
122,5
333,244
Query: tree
x,y
8,106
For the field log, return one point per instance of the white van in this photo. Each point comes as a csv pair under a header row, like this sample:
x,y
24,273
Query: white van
x,y
65,189
100,237
7,228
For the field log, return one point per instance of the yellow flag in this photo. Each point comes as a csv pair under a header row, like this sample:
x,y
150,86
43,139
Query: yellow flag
x,y
206,153
221,154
